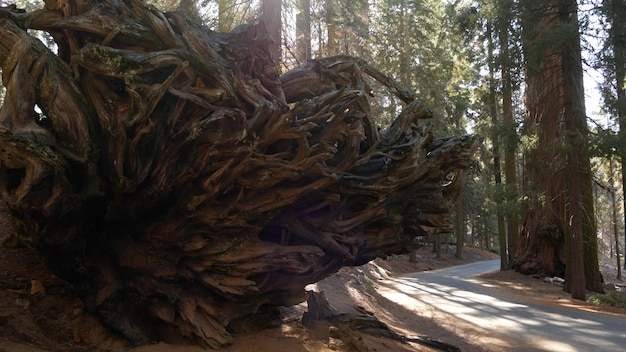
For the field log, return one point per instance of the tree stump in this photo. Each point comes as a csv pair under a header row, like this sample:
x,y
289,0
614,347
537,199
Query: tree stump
x,y
180,184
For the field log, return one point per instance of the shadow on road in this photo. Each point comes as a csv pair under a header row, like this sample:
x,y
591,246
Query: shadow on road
x,y
457,295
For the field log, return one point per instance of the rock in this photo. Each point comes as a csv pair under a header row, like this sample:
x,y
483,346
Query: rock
x,y
554,280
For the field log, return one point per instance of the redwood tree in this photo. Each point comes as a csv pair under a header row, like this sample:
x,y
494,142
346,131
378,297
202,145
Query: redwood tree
x,y
186,189
559,232
614,57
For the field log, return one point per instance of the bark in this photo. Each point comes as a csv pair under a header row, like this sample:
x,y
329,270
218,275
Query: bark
x,y
459,228
497,173
574,123
185,188
612,189
559,228
437,246
614,11
333,32
542,238
510,134
271,10
303,30
580,177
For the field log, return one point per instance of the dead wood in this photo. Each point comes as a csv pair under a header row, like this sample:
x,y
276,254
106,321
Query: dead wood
x,y
319,308
181,185
352,327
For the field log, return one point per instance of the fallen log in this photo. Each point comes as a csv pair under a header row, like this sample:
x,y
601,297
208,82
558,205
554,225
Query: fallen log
x,y
181,185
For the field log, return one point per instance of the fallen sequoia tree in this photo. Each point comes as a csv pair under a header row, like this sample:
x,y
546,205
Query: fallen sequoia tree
x,y
182,187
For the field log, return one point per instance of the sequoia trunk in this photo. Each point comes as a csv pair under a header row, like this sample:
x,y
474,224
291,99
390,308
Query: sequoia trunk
x,y
559,229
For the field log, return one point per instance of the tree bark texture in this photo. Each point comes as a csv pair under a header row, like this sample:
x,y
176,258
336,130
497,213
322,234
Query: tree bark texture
x,y
542,240
559,235
580,212
614,11
182,186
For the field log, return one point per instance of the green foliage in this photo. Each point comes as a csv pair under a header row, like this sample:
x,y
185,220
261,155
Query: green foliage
x,y
605,188
613,299
189,7
28,5
417,43
604,142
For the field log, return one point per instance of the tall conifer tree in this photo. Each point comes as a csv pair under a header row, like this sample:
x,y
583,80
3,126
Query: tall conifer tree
x,y
615,76
559,229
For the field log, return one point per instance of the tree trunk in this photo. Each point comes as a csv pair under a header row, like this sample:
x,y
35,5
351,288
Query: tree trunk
x,y
271,10
542,238
225,15
580,174
303,30
333,32
615,10
182,186
614,218
459,228
510,133
437,246
497,173
561,217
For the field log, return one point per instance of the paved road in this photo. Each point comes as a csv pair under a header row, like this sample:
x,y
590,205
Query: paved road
x,y
545,328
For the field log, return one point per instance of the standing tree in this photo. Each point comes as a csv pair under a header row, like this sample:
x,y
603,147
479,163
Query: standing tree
x,y
271,14
612,190
346,27
614,56
497,173
303,31
504,25
185,188
559,229
225,15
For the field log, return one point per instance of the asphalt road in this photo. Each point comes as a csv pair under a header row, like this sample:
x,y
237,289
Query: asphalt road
x,y
456,292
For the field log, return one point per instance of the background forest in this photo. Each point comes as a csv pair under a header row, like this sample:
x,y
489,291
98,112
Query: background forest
x,y
512,71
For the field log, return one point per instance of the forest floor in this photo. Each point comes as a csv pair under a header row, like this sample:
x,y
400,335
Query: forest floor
x,y
38,311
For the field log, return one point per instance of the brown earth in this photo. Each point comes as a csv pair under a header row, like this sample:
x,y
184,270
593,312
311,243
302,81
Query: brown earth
x,y
38,311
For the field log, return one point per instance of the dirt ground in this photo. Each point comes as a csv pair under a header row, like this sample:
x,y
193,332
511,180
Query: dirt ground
x,y
38,311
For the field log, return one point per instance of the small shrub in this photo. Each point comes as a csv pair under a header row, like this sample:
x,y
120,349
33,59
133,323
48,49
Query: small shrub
x,y
613,299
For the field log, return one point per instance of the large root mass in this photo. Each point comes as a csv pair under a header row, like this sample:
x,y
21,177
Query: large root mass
x,y
182,186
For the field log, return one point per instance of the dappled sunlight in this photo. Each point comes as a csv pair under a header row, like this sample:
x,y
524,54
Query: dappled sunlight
x,y
470,306
554,346
475,302
359,287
